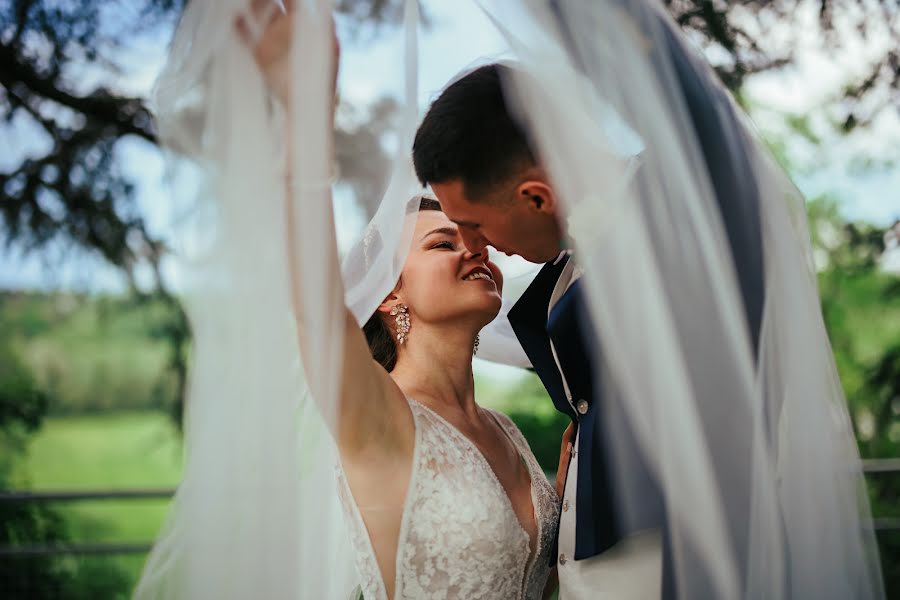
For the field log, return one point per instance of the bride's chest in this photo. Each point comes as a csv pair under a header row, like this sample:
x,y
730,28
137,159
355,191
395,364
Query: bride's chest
x,y
458,512
456,488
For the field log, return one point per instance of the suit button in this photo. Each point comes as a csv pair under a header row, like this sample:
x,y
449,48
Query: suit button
x,y
582,407
565,505
562,559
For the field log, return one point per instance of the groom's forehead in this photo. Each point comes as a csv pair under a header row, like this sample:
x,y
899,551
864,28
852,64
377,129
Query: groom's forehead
x,y
463,209
450,193
454,202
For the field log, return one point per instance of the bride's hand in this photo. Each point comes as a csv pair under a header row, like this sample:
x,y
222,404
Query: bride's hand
x,y
565,452
272,49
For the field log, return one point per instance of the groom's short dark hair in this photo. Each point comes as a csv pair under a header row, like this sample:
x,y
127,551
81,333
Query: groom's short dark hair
x,y
469,135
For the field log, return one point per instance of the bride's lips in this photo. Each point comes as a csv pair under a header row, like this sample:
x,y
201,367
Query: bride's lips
x,y
479,273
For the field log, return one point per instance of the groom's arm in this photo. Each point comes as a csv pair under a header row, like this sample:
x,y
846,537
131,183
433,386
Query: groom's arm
x,y
565,454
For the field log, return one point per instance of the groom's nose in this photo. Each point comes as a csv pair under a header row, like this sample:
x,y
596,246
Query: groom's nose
x,y
474,241
482,254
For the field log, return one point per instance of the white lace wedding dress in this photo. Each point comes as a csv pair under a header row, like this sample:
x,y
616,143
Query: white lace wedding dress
x,y
459,535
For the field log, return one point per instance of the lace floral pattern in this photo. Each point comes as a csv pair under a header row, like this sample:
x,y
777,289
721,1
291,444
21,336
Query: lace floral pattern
x,y
546,507
460,537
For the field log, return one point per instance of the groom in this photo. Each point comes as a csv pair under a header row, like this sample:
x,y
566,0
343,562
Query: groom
x,y
479,163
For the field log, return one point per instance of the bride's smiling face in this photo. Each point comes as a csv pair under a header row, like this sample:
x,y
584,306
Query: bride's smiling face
x,y
442,281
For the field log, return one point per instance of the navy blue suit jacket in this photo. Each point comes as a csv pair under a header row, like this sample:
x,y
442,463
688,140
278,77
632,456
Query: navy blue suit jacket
x,y
609,458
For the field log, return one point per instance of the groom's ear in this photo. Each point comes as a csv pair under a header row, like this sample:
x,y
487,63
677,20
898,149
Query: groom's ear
x,y
538,195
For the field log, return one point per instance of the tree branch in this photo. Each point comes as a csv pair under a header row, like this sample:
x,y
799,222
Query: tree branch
x,y
122,113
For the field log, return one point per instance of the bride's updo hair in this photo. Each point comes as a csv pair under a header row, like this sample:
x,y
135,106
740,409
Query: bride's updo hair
x,y
379,336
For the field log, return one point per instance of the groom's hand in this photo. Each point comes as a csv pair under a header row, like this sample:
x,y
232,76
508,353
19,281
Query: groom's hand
x,y
268,31
565,453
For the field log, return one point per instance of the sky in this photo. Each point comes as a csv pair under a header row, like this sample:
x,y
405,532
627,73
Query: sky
x,y
458,37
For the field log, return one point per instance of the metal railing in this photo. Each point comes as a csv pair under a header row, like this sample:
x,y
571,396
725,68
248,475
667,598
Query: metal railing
x,y
80,549
871,467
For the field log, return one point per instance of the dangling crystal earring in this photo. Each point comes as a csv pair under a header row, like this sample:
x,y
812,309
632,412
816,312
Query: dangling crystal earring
x,y
477,341
401,312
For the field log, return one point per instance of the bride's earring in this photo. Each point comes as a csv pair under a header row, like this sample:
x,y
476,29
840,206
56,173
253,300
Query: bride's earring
x,y
477,341
401,314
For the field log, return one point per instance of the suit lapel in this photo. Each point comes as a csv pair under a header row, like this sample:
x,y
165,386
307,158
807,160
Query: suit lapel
x,y
529,321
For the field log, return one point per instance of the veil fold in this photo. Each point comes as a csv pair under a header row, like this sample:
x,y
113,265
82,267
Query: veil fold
x,y
257,512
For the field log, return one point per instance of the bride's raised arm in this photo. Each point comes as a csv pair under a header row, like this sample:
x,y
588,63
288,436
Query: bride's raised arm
x,y
370,407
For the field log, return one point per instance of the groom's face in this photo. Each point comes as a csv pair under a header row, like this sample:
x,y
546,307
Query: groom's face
x,y
511,222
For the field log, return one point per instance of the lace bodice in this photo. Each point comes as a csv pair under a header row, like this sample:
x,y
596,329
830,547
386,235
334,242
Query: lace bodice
x,y
459,535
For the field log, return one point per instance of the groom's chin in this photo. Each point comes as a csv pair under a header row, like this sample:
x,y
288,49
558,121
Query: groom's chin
x,y
536,258
537,254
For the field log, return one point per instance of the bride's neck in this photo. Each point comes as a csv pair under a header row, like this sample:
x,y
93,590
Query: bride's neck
x,y
435,364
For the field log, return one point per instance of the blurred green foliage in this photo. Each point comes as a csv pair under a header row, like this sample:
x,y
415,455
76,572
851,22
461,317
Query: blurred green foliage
x,y
22,406
861,307
94,353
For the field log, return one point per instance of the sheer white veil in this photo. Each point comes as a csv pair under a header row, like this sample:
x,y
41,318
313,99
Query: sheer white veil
x,y
750,438
257,512
753,449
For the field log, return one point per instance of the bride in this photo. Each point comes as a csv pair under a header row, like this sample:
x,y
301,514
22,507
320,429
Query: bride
x,y
444,498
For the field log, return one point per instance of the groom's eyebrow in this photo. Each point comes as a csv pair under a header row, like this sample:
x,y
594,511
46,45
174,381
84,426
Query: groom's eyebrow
x,y
443,230
465,223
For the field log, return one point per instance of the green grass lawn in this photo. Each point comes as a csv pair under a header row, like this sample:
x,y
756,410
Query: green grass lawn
x,y
106,452
140,449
